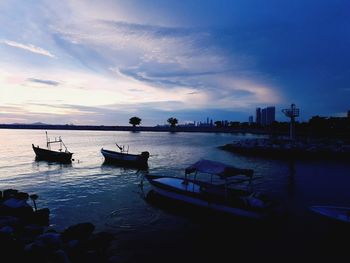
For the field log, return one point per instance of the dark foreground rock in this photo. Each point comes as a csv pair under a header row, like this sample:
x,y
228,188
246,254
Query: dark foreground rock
x,y
25,236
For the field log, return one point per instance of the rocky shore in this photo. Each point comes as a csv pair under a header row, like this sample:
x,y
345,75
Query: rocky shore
x,y
25,235
291,149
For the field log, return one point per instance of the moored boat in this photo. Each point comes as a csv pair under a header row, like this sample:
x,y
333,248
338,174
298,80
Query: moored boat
x,y
51,155
125,158
225,195
334,212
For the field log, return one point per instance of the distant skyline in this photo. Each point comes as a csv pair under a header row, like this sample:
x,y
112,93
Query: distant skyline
x,y
102,62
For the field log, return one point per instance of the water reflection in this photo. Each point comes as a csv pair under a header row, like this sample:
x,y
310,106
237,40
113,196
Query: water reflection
x,y
45,164
291,177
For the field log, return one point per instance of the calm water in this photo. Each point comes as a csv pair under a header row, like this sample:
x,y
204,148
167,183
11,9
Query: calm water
x,y
112,198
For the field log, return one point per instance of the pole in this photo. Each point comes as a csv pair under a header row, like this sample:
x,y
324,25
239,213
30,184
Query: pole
x,y
292,128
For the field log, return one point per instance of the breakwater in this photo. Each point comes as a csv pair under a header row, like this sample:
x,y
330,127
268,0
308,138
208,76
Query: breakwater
x,y
291,149
25,234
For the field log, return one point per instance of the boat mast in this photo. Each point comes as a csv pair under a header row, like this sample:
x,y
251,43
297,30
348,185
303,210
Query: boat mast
x,y
47,141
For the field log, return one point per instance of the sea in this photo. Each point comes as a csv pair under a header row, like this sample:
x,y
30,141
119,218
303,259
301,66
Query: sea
x,y
116,199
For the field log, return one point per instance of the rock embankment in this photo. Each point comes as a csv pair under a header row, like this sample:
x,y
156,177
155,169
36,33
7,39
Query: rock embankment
x,y
282,148
25,235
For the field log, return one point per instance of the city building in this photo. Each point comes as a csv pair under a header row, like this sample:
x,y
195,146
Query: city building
x,y
265,116
270,115
258,116
251,120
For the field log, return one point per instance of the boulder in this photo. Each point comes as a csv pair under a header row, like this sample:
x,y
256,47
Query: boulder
x,y
80,231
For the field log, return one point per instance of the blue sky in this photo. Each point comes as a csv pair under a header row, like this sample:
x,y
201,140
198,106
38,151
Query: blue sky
x,y
102,62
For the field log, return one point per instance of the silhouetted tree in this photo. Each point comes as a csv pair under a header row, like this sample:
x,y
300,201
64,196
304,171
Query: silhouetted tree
x,y
135,121
172,121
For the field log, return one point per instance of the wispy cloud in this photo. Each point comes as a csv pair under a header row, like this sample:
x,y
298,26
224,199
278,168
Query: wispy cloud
x,y
44,81
150,58
28,47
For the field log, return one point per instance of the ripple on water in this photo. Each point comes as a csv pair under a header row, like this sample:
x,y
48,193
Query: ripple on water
x,y
132,218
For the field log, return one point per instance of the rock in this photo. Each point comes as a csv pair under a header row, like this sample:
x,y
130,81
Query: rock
x,y
41,217
80,231
16,203
17,208
33,230
7,230
51,241
9,193
8,221
100,241
60,256
114,259
22,196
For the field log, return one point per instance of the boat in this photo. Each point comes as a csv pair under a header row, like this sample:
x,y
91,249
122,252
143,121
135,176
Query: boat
x,y
225,189
51,155
334,212
123,157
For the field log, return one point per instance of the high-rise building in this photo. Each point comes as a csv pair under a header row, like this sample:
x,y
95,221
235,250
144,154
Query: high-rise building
x,y
263,117
270,115
251,120
258,116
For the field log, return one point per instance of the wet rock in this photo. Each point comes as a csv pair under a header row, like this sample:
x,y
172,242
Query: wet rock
x,y
7,230
8,193
80,231
21,196
23,236
51,241
60,256
33,230
100,241
41,216
9,221
17,208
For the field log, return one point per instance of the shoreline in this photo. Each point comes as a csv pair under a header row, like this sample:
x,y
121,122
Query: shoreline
x,y
290,149
135,129
273,134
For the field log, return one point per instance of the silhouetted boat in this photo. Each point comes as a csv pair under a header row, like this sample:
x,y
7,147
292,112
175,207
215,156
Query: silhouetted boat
x,y
50,155
220,195
334,212
124,158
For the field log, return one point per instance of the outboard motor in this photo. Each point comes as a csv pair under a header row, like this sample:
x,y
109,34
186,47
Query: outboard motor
x,y
145,155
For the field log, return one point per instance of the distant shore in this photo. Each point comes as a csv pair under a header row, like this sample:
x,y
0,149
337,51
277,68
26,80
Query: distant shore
x,y
133,129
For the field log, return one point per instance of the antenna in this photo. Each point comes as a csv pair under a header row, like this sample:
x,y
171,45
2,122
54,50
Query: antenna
x,y
291,113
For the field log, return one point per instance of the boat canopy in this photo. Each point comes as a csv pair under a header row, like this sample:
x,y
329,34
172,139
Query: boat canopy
x,y
217,168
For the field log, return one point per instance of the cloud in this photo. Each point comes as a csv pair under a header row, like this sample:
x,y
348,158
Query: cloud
x,y
44,81
28,47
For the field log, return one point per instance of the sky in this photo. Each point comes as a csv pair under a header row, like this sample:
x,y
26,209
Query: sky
x,y
103,62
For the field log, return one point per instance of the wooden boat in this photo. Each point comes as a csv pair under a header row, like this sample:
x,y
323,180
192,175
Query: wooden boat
x,y
51,155
125,158
220,195
334,212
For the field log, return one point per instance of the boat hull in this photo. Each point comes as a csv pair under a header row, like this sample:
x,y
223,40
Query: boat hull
x,y
192,194
126,159
334,212
53,156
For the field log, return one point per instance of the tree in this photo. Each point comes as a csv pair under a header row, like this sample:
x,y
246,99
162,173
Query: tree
x,y
172,121
135,121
